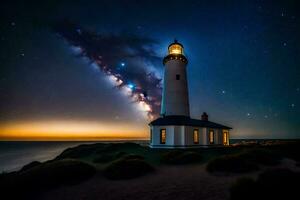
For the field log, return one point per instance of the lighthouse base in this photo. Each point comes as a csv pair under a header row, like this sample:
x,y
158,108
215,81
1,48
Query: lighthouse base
x,y
184,132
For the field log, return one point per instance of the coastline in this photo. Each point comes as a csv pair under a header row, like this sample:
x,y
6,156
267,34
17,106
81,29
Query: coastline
x,y
124,170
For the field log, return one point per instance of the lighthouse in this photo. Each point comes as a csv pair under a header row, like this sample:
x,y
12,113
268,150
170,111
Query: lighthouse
x,y
175,128
175,98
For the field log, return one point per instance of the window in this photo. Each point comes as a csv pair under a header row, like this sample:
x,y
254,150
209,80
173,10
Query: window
x,y
196,136
177,77
163,136
211,136
225,136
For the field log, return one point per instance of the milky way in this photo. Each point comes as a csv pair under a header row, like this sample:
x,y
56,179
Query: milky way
x,y
127,60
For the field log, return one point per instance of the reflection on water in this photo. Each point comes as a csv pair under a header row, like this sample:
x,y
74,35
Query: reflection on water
x,y
13,155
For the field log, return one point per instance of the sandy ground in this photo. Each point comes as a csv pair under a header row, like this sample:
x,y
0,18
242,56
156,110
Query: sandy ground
x,y
168,182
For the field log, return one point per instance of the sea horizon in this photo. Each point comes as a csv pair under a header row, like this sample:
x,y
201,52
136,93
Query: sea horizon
x,y
15,154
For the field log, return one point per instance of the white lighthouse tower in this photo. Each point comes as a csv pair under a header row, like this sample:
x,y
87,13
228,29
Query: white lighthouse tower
x,y
175,98
175,128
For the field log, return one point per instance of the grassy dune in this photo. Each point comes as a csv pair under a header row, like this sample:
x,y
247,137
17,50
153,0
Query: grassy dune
x,y
120,161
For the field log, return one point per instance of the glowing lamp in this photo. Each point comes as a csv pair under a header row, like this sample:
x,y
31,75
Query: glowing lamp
x,y
175,48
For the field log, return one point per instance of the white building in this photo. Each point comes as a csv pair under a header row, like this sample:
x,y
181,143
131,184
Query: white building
x,y
175,128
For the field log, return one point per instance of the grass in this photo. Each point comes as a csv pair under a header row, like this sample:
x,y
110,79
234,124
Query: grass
x,y
31,165
34,178
246,161
271,184
128,167
101,152
261,156
180,157
108,157
232,164
81,151
129,160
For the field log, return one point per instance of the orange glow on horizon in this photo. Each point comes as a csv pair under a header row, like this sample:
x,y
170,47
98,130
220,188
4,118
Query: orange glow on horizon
x,y
72,130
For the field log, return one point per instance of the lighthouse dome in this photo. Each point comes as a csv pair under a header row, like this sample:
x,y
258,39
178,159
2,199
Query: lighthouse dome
x,y
175,52
175,48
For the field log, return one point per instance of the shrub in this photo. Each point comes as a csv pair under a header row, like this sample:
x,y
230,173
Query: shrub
x,y
120,154
284,180
180,157
81,151
113,147
261,156
271,184
231,163
246,161
59,172
108,157
104,158
31,165
46,175
134,156
127,168
90,150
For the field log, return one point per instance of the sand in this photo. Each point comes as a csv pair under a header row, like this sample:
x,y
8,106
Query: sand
x,y
168,182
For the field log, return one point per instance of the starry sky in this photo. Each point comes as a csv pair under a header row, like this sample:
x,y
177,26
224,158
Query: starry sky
x,y
244,66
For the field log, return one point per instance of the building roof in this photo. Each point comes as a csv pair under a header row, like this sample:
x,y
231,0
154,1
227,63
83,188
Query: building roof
x,y
176,120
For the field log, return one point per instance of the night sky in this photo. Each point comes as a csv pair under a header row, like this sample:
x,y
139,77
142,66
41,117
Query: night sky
x,y
244,65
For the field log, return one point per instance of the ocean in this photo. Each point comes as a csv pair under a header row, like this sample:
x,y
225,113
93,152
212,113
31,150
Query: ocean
x,y
14,155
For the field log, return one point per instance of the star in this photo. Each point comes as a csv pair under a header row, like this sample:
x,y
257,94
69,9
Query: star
x,y
248,114
13,23
266,116
131,86
22,54
223,91
292,105
78,31
123,64
284,43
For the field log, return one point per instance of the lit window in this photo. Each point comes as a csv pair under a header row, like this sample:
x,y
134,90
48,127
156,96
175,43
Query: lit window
x,y
196,136
225,136
211,136
163,136
177,77
175,49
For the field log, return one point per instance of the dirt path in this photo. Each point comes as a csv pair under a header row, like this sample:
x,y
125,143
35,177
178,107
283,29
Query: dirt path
x,y
168,182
